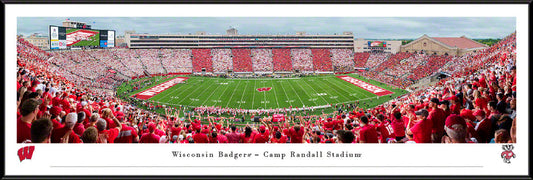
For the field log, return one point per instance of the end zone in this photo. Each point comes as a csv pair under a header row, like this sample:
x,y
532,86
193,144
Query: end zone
x,y
151,92
368,87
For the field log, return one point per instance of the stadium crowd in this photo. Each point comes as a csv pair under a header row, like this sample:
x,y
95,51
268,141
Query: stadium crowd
x,y
202,59
342,60
282,60
242,62
222,61
360,59
475,105
150,60
130,60
322,60
262,60
302,60
176,60
375,59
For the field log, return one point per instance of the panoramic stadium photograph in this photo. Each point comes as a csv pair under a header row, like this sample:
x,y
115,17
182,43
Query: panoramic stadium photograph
x,y
176,80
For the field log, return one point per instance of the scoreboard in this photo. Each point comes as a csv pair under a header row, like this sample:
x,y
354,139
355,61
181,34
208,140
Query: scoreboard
x,y
66,37
377,44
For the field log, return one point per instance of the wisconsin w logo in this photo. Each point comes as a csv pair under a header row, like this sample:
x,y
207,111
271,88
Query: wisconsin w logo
x,y
264,89
26,152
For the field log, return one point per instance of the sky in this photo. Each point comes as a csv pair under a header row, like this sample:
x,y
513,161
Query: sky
x,y
362,27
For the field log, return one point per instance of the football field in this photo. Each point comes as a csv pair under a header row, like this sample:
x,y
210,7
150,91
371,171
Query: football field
x,y
266,93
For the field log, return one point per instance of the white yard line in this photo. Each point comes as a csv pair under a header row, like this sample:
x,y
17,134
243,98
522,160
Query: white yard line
x,y
227,87
316,91
297,94
253,96
277,102
231,97
167,89
190,93
243,94
285,92
307,93
360,89
336,90
207,99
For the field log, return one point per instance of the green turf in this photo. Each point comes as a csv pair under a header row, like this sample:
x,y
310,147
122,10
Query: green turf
x,y
242,93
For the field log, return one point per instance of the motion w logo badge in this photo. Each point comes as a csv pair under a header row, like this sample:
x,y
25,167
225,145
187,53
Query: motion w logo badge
x,y
26,152
508,153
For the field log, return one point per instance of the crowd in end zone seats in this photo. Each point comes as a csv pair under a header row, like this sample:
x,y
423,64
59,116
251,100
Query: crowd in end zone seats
x,y
360,59
130,60
343,60
242,60
177,60
433,63
405,66
302,60
394,60
322,60
222,61
150,60
262,60
375,59
112,61
477,104
282,60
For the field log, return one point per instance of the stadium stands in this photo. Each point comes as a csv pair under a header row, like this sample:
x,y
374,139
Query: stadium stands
x,y
375,59
150,59
112,61
177,60
282,60
222,61
202,59
130,60
488,74
343,60
242,62
302,60
394,60
262,60
432,64
322,60
360,59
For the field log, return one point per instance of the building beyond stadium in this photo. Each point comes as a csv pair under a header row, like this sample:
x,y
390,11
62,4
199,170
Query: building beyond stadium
x,y
453,46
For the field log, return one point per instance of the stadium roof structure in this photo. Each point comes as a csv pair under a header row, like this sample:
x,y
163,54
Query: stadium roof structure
x,y
460,42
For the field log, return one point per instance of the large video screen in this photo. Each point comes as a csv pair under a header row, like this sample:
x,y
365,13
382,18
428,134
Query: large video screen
x,y
65,37
83,37
377,44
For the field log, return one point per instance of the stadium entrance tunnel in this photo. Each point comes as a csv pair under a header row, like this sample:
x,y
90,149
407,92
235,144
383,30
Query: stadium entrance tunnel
x,y
439,76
